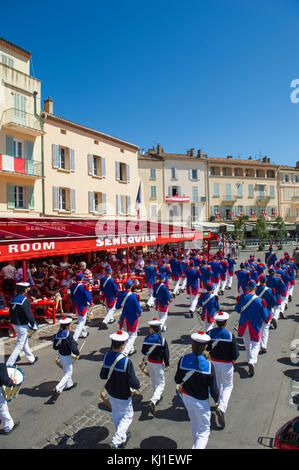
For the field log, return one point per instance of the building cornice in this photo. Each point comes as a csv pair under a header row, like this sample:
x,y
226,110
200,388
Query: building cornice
x,y
15,48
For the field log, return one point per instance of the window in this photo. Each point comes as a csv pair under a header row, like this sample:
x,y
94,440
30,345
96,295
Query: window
x,y
97,202
6,60
250,190
296,178
20,197
153,192
287,194
18,148
212,171
297,212
195,194
286,178
62,199
154,210
19,108
239,190
96,165
123,205
216,189
288,212
63,158
240,211
174,175
153,173
122,172
174,191
194,174
228,195
175,211
272,190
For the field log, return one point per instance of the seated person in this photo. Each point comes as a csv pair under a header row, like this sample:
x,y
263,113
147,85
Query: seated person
x,y
51,290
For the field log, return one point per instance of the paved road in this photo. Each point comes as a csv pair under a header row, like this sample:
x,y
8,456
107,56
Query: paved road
x,y
79,419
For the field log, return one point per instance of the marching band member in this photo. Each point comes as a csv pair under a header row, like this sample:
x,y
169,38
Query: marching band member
x,y
286,278
231,262
252,315
215,266
110,290
270,258
131,312
184,266
278,289
265,293
223,351
155,349
163,299
260,266
21,316
150,278
119,372
292,265
165,269
66,344
209,303
223,274
243,276
206,274
192,287
197,377
176,269
6,419
81,297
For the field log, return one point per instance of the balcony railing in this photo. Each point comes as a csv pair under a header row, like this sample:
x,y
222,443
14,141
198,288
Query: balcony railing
x,y
15,118
262,200
20,166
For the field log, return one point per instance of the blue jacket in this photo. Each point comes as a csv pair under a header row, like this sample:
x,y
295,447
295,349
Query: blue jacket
x,y
80,296
110,290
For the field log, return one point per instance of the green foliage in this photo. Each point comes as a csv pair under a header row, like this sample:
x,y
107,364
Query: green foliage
x,y
239,228
260,230
280,227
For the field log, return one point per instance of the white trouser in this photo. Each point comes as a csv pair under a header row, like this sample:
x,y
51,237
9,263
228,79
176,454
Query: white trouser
x,y
67,366
193,302
129,347
216,288
200,416
184,283
276,311
80,327
230,280
291,289
283,304
176,286
208,326
224,378
5,417
223,284
21,344
252,348
156,373
122,416
109,314
163,317
265,334
151,300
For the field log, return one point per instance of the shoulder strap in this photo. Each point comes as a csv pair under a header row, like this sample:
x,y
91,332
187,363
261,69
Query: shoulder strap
x,y
111,369
125,299
248,303
75,290
207,300
263,291
159,288
109,277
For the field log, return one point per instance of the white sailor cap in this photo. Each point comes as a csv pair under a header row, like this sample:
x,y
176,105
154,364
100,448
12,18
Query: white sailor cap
x,y
155,322
119,336
23,284
200,337
65,320
221,316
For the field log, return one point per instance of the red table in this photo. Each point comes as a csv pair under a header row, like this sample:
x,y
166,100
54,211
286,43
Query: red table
x,y
5,323
121,282
45,303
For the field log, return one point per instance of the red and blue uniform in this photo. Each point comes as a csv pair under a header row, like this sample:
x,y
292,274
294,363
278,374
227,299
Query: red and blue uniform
x,y
252,317
81,298
131,310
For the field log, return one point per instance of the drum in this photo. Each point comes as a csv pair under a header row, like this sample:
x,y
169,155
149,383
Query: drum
x,y
105,397
58,361
142,366
15,373
179,394
31,330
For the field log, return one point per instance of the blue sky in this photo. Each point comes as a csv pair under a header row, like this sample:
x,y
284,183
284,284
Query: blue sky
x,y
210,74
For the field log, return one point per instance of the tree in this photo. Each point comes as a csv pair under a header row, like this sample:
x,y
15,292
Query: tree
x,y
239,228
280,228
260,231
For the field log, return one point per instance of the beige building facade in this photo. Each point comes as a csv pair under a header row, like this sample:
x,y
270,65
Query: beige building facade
x,y
288,184
21,129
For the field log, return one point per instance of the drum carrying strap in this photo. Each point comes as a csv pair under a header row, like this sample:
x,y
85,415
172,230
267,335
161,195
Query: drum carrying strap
x,y
104,285
248,303
111,369
263,291
207,300
125,299
75,290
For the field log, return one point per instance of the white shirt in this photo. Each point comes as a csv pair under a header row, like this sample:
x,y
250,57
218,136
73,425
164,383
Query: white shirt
x,y
8,272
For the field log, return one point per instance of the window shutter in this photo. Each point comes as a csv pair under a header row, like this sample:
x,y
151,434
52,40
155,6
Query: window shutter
x,y
30,197
117,204
194,194
179,191
29,146
198,174
190,173
104,205
10,196
91,201
169,190
55,156
90,164
73,199
129,208
72,160
9,145
117,171
103,162
55,198
128,174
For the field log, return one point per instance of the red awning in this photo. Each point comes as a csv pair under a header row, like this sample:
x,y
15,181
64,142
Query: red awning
x,y
40,237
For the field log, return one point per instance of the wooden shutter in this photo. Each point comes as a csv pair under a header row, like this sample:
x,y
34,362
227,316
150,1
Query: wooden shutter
x,y
30,197
29,146
90,164
128,174
103,165
55,155
73,199
104,205
190,173
91,201
129,208
55,198
117,203
198,174
9,146
10,196
72,159
117,171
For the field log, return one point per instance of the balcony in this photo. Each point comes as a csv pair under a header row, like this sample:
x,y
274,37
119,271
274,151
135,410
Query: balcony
x,y
295,198
20,121
20,166
173,199
262,200
228,199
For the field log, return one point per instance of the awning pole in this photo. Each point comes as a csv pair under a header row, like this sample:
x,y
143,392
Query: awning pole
x,y
24,270
179,249
128,262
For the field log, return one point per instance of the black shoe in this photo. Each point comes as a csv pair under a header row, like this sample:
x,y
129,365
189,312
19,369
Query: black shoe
x,y
14,427
220,416
133,352
290,298
152,408
129,435
55,395
191,314
281,315
104,326
84,336
274,323
35,360
286,307
111,321
263,351
70,388
250,370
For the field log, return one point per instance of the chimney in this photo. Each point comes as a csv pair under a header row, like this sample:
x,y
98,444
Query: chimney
x,y
48,105
249,158
229,156
297,164
199,153
192,152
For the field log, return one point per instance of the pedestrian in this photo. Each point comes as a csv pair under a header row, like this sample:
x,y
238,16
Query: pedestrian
x,y
131,311
8,273
197,378
66,344
119,372
223,351
243,276
81,298
21,317
223,275
6,419
184,266
110,290
87,278
156,352
163,299
296,259
252,315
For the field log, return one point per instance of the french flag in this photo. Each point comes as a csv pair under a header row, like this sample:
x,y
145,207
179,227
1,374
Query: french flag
x,y
138,201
